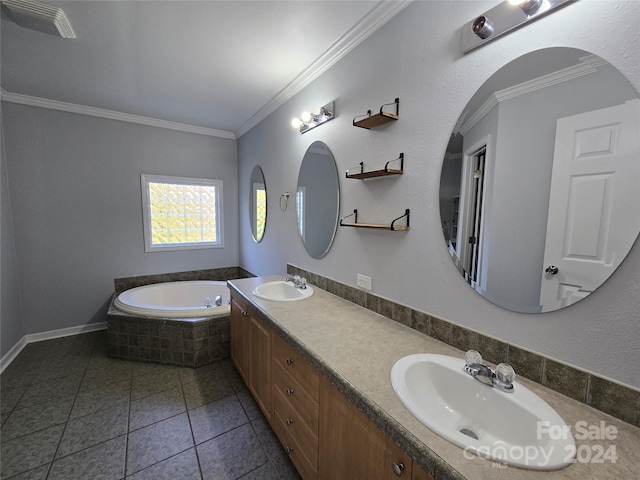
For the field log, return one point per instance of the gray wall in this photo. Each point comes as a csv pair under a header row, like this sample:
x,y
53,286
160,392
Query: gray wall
x,y
416,56
74,185
11,330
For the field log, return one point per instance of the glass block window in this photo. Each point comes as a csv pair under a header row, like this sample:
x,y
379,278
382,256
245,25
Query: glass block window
x,y
261,211
181,213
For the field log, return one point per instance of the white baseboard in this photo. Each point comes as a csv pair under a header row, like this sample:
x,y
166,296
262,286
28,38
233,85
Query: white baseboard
x,y
10,356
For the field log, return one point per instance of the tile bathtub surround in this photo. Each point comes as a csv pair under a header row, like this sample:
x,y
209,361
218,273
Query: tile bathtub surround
x,y
117,419
618,400
216,274
182,342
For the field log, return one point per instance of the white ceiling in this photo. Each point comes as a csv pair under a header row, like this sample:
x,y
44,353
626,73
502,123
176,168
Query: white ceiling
x,y
221,65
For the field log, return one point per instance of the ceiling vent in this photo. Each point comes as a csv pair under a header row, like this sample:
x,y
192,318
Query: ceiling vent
x,y
39,17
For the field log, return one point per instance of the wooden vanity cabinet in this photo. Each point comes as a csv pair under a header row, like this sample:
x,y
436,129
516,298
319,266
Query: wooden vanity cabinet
x,y
325,435
352,446
239,323
296,409
252,353
260,366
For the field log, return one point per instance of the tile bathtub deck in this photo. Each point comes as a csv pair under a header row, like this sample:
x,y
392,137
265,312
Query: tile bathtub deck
x,y
70,412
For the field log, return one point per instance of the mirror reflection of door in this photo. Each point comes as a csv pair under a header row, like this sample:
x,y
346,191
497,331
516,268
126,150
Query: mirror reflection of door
x,y
470,237
595,168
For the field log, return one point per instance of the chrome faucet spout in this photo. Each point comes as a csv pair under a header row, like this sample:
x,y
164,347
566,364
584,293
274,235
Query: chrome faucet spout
x,y
501,379
298,282
480,372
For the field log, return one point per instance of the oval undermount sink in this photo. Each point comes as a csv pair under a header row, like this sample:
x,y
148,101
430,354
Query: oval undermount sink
x,y
515,428
281,291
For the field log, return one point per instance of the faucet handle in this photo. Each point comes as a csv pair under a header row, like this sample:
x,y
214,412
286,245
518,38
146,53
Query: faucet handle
x,y
473,357
505,373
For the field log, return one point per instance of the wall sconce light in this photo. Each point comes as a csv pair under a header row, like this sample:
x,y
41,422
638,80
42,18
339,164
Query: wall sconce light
x,y
504,18
309,120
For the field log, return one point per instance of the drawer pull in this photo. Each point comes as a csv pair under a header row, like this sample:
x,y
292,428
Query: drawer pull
x,y
289,391
289,361
245,314
289,450
398,468
289,421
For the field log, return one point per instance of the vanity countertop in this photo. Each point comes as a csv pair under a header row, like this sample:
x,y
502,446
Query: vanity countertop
x,y
355,349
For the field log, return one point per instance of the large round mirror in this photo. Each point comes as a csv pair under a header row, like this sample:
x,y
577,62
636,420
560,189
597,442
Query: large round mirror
x,y
257,204
540,185
317,199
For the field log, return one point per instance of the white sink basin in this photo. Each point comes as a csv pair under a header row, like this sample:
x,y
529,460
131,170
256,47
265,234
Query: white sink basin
x,y
281,291
516,428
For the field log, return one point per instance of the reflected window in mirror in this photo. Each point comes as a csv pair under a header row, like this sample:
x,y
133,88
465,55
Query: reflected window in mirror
x,y
317,199
300,204
542,223
258,204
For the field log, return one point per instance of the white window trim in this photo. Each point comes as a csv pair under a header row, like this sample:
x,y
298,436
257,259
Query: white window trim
x,y
145,179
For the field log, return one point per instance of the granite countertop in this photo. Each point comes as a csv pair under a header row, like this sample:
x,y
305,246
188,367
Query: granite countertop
x,y
355,349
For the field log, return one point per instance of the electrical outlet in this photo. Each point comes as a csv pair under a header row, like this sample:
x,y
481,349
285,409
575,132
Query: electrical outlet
x,y
364,282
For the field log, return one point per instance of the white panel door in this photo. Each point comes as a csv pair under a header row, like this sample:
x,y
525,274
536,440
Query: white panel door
x,y
594,205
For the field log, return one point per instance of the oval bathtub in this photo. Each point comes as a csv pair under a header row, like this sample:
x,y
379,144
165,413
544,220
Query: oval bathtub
x,y
175,299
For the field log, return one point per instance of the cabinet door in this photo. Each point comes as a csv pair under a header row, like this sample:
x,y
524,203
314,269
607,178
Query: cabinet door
x,y
351,447
239,319
397,464
419,473
260,364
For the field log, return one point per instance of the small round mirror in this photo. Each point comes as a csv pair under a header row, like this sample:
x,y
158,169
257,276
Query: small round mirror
x,y
317,200
257,204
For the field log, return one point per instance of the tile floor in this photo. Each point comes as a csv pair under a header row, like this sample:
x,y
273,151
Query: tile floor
x,y
70,412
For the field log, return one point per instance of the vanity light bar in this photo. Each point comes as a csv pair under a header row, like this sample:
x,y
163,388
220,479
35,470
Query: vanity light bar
x,y
504,18
320,115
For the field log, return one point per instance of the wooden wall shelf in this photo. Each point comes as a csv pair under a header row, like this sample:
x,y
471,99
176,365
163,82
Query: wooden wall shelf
x,y
386,171
369,121
391,226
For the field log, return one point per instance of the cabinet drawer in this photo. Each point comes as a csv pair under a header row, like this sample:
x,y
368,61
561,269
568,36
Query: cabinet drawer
x,y
307,467
296,428
297,396
245,306
297,366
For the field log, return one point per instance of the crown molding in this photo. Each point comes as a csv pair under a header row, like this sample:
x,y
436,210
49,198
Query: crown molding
x,y
380,14
110,114
588,65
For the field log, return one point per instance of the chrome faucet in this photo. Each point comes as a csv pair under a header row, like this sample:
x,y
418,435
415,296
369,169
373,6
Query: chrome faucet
x,y
502,378
298,282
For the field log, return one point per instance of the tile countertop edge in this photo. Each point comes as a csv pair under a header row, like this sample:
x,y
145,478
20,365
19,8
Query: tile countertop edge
x,y
428,459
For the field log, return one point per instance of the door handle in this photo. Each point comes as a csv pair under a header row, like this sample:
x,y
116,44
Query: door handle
x,y
551,270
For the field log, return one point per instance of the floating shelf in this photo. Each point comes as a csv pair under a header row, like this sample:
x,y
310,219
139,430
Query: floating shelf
x,y
369,121
391,226
386,171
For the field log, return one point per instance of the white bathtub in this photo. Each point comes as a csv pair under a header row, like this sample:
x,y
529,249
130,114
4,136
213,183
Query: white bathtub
x,y
175,299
